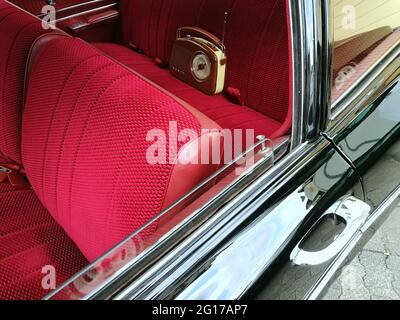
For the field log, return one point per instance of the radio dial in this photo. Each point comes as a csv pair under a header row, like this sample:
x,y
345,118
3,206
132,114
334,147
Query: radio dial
x,y
201,67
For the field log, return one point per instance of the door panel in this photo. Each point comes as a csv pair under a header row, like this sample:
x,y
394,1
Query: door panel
x,y
285,280
238,267
373,145
370,144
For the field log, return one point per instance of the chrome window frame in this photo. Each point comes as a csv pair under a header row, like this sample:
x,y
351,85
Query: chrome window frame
x,y
311,31
191,238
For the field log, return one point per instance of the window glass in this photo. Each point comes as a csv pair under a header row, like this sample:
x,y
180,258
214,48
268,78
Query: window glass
x,y
364,31
256,159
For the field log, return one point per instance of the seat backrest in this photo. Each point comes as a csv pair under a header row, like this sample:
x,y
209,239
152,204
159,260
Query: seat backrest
x,y
85,150
152,25
256,41
258,53
18,30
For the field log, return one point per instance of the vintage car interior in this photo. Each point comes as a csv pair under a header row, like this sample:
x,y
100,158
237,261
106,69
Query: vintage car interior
x,y
79,100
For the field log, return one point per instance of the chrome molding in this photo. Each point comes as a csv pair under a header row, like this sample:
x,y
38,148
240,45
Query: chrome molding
x,y
86,12
83,4
312,73
298,76
165,275
366,91
326,31
353,212
359,87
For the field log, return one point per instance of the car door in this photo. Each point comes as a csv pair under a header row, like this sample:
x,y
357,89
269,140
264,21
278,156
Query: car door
x,y
306,225
287,233
247,247
363,126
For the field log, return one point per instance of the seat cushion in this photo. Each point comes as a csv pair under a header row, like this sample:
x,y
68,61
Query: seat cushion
x,y
87,151
227,114
256,41
18,30
30,239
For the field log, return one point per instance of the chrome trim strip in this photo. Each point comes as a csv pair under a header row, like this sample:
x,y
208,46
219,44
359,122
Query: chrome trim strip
x,y
280,147
326,61
298,76
340,104
312,70
357,101
87,3
83,4
86,12
219,227
377,214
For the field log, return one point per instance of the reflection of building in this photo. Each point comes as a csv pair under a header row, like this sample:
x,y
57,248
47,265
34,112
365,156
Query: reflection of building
x,y
364,31
369,15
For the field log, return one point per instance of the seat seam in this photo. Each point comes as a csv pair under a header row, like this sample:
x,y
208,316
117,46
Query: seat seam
x,y
67,127
31,228
5,140
93,105
255,61
54,111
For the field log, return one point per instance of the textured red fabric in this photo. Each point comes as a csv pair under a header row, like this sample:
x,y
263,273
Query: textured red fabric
x,y
257,50
18,31
84,150
227,114
30,240
149,33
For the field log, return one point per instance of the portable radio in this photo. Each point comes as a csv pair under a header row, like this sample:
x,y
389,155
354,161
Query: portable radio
x,y
198,58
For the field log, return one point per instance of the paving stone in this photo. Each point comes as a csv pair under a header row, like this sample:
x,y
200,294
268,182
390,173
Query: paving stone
x,y
396,286
393,263
375,272
378,298
333,294
377,243
378,281
372,260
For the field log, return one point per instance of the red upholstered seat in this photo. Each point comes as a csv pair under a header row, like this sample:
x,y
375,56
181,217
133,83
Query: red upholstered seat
x,y
18,31
85,150
227,114
257,50
86,119
30,239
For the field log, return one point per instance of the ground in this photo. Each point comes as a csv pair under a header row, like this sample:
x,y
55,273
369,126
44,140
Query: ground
x,y
375,273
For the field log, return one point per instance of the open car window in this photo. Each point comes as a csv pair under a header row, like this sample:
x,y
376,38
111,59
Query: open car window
x,y
145,134
206,198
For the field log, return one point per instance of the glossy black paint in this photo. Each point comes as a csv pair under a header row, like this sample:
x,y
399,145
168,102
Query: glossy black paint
x,y
371,142
273,230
